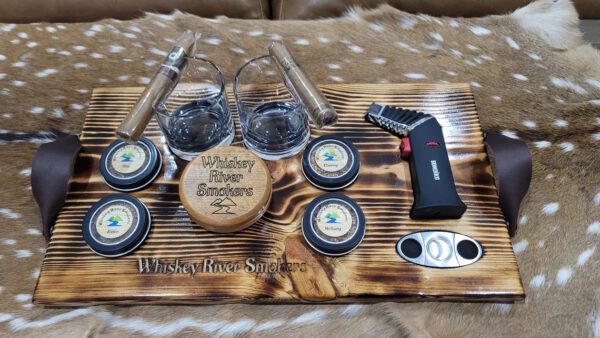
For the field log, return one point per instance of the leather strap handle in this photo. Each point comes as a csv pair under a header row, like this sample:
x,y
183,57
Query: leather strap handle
x,y
50,173
512,170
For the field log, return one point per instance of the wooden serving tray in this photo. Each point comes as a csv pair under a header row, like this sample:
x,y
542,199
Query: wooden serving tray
x,y
269,261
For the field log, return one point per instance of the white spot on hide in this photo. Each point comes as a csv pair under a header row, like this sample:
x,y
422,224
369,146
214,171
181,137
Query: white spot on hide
x,y
480,31
550,208
407,22
585,256
521,246
213,41
255,33
520,77
115,49
405,46
8,27
34,232
512,43
352,309
269,325
436,36
379,61
377,27
238,50
415,76
21,298
534,56
568,84
542,144
453,23
158,52
25,172
302,42
23,253
356,49
563,275
537,281
567,147
510,133
58,113
143,80
36,110
560,123
46,72
594,228
310,317
593,83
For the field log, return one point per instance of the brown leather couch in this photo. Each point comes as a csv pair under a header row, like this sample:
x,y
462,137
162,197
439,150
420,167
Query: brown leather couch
x,y
90,10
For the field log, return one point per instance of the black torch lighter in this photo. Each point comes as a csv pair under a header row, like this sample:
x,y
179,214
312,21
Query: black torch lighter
x,y
423,145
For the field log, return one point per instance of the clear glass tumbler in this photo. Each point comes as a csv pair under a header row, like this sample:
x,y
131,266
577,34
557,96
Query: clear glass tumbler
x,y
273,122
195,116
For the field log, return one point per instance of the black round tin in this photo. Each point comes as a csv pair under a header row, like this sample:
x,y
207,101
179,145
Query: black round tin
x,y
333,224
130,167
116,225
331,162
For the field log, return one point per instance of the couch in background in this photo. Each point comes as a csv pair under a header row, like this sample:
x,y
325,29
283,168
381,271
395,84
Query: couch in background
x,y
21,11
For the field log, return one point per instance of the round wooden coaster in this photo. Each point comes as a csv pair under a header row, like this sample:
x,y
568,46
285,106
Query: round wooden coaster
x,y
225,189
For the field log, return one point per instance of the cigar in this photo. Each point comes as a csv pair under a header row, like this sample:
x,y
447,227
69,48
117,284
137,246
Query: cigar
x,y
319,110
162,84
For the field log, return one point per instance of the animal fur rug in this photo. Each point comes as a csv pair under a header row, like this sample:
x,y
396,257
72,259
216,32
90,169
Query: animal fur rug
x,y
533,79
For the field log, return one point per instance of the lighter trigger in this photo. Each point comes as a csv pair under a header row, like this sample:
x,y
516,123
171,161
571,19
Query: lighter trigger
x,y
405,150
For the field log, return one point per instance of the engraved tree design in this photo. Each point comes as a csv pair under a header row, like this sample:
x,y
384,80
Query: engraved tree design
x,y
223,206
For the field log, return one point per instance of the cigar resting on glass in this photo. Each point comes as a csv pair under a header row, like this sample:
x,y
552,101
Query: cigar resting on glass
x,y
162,84
319,110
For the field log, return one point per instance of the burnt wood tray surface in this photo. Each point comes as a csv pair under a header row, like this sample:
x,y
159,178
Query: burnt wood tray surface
x,y
269,262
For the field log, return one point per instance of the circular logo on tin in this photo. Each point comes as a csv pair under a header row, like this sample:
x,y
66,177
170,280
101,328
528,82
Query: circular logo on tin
x,y
330,160
114,222
334,221
127,160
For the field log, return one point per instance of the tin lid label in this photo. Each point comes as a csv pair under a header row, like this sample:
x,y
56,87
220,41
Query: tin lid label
x,y
114,221
330,160
127,160
334,221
